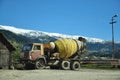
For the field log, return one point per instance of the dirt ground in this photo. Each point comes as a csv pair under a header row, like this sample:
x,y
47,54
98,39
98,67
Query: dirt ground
x,y
47,74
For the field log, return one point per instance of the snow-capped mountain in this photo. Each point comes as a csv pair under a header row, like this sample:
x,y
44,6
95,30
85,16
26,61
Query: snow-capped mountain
x,y
35,34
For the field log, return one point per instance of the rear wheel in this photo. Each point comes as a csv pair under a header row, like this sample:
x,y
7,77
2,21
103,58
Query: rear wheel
x,y
65,65
75,65
40,64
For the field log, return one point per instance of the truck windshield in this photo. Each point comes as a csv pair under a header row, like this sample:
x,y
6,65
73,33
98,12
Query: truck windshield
x,y
27,47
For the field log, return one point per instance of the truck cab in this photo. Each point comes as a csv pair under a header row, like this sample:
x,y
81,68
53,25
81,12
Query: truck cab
x,y
33,54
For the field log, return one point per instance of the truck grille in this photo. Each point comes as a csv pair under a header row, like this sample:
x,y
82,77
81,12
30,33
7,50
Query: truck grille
x,y
26,55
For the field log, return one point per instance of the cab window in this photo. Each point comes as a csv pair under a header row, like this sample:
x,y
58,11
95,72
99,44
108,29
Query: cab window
x,y
36,47
27,47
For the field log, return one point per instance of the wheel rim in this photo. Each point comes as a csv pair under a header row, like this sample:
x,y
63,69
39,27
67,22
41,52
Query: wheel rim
x,y
65,64
76,66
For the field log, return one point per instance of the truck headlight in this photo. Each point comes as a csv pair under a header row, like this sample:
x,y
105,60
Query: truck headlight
x,y
30,57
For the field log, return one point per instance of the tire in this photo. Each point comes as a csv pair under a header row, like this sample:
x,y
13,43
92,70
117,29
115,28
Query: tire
x,y
40,64
65,65
75,65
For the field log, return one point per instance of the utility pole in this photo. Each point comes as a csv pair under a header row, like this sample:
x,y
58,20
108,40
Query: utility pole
x,y
112,22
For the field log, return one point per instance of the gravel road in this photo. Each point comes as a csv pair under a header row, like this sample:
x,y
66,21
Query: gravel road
x,y
82,74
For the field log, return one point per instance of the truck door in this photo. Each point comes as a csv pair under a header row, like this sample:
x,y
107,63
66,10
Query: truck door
x,y
36,53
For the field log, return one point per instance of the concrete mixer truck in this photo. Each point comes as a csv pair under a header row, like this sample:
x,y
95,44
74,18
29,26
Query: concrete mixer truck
x,y
61,54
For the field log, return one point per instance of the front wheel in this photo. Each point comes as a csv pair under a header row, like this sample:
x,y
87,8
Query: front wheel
x,y
40,64
75,65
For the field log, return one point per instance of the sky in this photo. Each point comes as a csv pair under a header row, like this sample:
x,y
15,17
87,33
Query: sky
x,y
88,18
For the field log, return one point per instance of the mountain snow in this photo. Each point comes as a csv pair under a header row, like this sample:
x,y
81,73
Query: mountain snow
x,y
33,33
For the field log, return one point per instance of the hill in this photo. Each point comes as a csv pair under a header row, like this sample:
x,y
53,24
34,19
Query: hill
x,y
95,47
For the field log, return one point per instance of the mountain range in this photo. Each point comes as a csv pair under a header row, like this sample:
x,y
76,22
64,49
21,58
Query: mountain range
x,y
96,46
37,34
